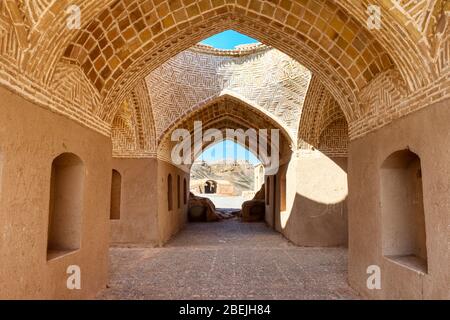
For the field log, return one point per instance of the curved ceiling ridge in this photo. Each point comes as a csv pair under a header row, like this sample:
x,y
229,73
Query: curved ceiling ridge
x,y
270,81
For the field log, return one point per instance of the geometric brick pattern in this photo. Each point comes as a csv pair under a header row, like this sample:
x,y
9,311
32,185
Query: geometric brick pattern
x,y
407,30
307,132
384,91
439,35
133,129
86,74
124,135
121,39
67,84
322,123
387,102
333,140
264,78
225,112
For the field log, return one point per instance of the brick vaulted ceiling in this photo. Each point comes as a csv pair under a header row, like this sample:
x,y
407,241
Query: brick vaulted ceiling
x,y
263,77
128,40
225,113
258,79
87,74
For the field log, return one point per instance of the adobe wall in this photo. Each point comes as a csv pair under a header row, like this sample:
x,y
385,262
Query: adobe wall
x,y
138,222
30,139
145,218
316,203
426,133
170,222
271,206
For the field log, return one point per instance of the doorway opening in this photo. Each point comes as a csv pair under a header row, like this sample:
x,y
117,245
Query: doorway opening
x,y
226,175
210,187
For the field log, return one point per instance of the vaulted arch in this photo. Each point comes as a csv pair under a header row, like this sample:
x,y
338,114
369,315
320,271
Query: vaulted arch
x,y
133,128
43,10
258,75
225,113
228,104
124,40
319,112
406,45
128,49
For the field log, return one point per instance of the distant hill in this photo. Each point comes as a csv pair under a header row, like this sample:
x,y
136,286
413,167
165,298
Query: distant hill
x,y
240,174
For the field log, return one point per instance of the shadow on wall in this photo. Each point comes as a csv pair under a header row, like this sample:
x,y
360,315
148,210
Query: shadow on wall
x,y
323,224
316,195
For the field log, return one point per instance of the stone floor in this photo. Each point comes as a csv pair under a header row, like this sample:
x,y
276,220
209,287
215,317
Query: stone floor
x,y
228,260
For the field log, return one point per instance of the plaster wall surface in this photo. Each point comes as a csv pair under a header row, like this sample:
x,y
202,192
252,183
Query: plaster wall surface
x,y
170,222
30,139
138,222
317,193
271,195
427,134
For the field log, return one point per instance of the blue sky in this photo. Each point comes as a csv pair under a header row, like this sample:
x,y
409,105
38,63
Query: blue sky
x,y
228,150
228,40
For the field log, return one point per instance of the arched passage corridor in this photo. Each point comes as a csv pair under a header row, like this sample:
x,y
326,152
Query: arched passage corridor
x,y
111,91
224,245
